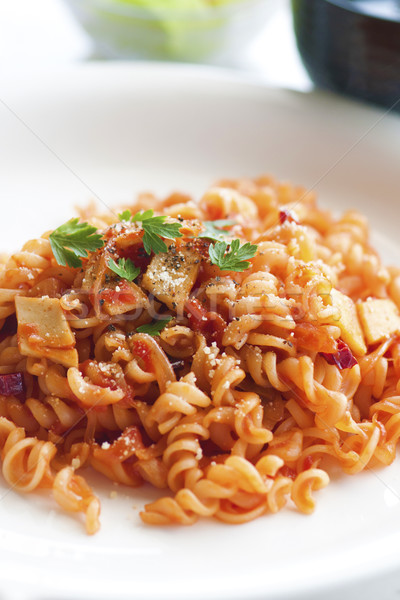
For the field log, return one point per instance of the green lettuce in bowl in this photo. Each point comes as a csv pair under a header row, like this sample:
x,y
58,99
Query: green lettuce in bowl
x,y
175,5
188,30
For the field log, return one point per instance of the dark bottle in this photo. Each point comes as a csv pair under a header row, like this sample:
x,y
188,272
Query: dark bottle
x,y
351,46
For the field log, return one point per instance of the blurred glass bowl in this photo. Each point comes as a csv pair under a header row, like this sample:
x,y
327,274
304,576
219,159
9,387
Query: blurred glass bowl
x,y
184,30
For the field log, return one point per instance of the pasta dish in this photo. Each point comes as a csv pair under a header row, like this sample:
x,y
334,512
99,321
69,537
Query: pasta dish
x,y
225,351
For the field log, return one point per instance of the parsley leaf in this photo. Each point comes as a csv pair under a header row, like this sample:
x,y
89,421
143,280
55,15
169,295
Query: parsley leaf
x,y
73,240
151,241
155,229
125,268
155,327
126,215
235,259
142,216
214,230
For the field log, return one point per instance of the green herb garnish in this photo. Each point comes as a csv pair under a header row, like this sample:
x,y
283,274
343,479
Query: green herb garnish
x,y
214,230
233,260
154,229
73,240
155,327
125,268
126,215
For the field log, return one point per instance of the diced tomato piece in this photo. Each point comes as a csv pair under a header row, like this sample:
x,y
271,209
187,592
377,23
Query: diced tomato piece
x,y
124,295
209,323
142,351
196,311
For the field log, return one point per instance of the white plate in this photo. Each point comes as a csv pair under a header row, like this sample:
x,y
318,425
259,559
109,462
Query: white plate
x,y
113,130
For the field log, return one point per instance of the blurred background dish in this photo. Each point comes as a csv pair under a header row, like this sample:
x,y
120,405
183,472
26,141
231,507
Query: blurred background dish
x,y
183,30
352,46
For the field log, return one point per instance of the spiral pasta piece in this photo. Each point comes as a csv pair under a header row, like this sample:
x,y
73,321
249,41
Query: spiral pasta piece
x,y
26,461
73,494
303,486
180,398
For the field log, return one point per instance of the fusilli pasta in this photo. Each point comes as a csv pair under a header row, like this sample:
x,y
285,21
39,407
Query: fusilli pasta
x,y
220,350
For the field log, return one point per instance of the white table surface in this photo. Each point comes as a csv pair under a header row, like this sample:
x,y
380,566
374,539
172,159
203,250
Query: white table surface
x,y
41,33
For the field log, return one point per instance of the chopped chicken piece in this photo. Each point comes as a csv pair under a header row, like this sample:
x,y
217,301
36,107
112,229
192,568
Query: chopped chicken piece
x,y
379,319
117,296
44,332
348,322
170,276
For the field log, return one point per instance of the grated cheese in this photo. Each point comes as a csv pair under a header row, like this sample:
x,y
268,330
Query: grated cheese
x,y
75,463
